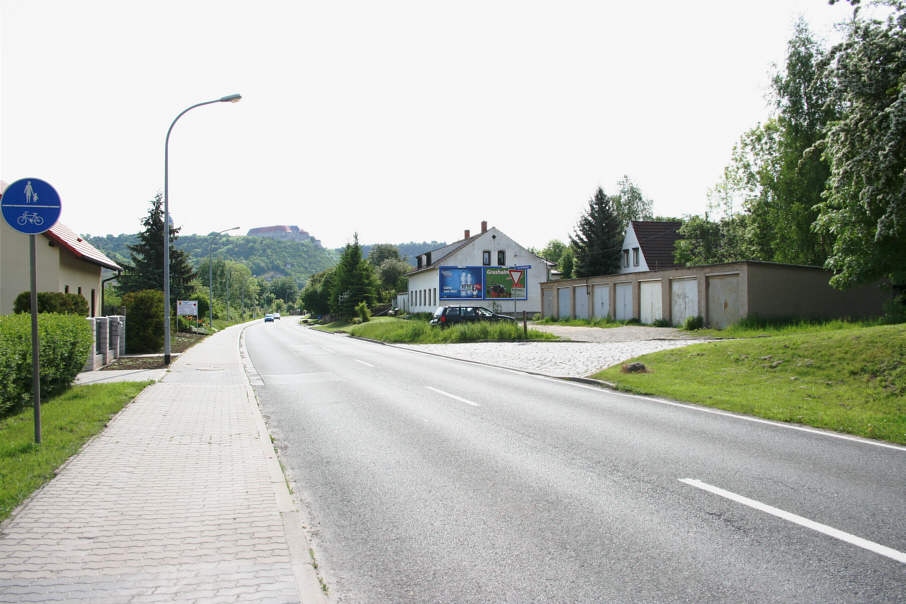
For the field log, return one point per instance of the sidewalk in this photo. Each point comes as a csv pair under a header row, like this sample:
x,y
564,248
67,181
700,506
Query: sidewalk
x,y
179,499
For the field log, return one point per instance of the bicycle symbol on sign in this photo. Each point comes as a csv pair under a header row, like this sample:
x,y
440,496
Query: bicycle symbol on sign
x,y
31,217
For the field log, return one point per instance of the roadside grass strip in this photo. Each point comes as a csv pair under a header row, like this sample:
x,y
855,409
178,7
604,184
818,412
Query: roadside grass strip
x,y
850,380
402,331
824,529
67,422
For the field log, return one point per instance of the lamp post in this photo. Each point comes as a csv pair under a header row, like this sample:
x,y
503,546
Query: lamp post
x,y
211,272
232,98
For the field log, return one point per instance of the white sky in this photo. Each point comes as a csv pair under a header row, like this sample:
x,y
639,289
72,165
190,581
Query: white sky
x,y
402,121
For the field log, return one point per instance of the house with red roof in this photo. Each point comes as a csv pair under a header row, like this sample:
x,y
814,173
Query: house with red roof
x,y
65,262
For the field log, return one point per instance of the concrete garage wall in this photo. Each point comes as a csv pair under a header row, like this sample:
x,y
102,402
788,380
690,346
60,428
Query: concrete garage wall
x,y
683,299
623,302
601,301
581,294
650,301
722,293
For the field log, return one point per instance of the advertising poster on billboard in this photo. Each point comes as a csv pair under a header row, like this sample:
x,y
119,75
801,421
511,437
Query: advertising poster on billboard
x,y
461,283
505,283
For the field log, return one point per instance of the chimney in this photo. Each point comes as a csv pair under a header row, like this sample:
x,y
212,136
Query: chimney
x,y
467,234
484,226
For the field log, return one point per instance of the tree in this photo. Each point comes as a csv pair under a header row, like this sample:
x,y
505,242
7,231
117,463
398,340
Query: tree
x,y
381,252
354,282
285,289
391,273
597,239
553,251
146,268
864,208
316,295
629,204
567,263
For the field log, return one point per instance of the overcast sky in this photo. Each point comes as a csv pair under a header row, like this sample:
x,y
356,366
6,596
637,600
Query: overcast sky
x,y
402,121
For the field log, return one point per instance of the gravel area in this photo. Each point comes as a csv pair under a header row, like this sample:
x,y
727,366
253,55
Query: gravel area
x,y
597,349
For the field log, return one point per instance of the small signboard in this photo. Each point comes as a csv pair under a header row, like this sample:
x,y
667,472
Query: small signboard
x,y
30,206
187,308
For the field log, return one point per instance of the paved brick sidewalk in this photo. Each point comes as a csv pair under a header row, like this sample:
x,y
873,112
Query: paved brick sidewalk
x,y
180,499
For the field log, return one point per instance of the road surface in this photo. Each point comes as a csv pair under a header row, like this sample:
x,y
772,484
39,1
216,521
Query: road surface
x,y
434,480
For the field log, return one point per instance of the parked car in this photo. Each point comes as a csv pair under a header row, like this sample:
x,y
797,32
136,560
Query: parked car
x,y
268,318
446,316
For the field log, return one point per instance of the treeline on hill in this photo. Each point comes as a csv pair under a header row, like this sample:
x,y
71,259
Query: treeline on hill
x,y
266,258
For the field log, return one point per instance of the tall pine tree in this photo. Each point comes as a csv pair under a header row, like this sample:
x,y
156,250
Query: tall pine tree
x,y
146,270
354,281
597,239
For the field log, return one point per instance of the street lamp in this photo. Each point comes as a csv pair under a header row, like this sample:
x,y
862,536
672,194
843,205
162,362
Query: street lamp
x,y
211,271
232,98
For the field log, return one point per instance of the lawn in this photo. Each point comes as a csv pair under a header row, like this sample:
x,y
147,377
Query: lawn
x,y
848,377
416,331
67,422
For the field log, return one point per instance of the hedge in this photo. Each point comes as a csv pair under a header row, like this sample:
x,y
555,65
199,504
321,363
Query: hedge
x,y
53,302
65,342
145,322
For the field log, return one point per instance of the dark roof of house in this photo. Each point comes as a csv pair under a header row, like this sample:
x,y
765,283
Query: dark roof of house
x,y
68,239
657,240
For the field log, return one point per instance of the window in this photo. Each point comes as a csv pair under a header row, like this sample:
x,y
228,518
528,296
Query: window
x,y
418,259
625,258
486,257
635,256
501,257
65,289
468,312
428,259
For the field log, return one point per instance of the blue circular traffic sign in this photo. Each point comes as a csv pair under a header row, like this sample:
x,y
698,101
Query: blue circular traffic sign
x,y
30,205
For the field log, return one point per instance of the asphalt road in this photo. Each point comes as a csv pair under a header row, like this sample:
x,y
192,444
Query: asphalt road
x,y
433,480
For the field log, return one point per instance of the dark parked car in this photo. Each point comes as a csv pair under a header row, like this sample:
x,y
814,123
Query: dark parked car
x,y
446,316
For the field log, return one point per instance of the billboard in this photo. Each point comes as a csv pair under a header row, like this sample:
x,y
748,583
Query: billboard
x,y
482,283
505,283
187,308
460,283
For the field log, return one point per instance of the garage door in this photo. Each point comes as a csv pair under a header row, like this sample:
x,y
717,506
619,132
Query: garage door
x,y
650,302
623,300
683,299
581,302
563,297
601,302
548,302
723,301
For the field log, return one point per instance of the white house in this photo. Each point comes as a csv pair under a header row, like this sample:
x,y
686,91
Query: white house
x,y
648,246
488,269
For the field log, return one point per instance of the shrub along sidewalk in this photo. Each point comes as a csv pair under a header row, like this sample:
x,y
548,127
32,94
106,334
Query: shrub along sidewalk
x,y
849,379
67,421
416,331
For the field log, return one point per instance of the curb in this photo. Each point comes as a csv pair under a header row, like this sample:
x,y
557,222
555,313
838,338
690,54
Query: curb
x,y
307,580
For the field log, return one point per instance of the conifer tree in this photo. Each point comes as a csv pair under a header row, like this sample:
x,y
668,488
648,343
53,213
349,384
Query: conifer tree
x,y
146,269
354,281
597,239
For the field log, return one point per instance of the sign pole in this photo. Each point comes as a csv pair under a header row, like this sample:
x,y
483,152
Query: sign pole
x,y
35,346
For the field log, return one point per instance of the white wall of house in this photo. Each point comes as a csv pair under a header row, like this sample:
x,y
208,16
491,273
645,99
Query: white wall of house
x,y
631,258
423,286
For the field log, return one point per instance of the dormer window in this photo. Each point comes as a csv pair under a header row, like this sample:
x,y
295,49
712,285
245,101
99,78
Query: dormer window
x,y
428,259
418,260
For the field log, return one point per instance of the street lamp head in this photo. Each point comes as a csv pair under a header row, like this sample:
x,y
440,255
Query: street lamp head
x,y
233,98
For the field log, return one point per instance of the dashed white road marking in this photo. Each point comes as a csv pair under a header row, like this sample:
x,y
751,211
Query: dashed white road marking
x,y
453,396
830,531
364,363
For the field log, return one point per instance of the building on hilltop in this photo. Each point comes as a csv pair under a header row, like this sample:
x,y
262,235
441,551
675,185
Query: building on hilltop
x,y
284,232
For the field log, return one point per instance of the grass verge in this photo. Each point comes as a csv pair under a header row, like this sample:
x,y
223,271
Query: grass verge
x,y
605,322
413,331
850,379
67,422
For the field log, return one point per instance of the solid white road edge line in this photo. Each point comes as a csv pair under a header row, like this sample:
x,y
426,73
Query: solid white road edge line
x,y
830,531
453,396
364,363
756,420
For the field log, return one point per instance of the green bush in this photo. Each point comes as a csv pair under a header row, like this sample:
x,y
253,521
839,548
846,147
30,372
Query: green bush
x,y
661,323
65,341
693,323
144,320
362,311
53,302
